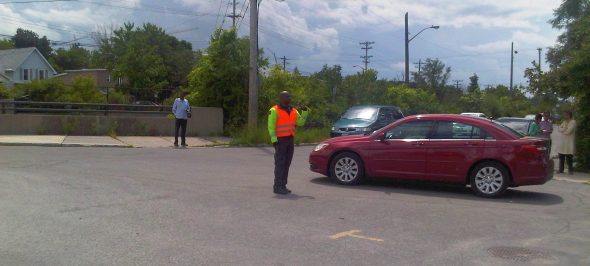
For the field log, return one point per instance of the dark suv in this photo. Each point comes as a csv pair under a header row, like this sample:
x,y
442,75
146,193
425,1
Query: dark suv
x,y
363,120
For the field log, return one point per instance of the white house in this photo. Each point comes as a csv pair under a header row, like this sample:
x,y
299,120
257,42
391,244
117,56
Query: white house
x,y
22,65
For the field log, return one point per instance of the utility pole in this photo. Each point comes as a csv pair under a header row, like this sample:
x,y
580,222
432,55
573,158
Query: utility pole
x,y
512,53
234,16
457,83
366,57
285,59
539,64
407,42
253,74
419,64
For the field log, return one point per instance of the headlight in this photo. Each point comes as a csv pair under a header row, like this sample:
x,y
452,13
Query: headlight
x,y
365,129
320,147
333,128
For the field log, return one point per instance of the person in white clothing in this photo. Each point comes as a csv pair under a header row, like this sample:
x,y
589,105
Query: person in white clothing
x,y
567,148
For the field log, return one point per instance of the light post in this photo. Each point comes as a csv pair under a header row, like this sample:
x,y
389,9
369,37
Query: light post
x,y
364,69
512,53
407,42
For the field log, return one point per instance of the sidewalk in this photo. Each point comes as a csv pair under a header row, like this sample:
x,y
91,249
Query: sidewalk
x,y
106,141
577,177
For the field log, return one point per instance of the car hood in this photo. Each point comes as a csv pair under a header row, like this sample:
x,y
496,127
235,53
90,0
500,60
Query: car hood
x,y
345,122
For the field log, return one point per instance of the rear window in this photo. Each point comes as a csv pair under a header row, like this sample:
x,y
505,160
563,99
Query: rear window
x,y
509,130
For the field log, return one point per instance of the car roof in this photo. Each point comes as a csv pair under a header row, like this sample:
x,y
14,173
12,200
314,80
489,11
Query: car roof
x,y
514,119
375,106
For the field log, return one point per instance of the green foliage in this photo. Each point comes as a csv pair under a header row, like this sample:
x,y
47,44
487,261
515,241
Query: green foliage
x,y
412,101
27,38
76,57
149,58
569,73
6,44
4,92
259,136
82,90
221,77
434,75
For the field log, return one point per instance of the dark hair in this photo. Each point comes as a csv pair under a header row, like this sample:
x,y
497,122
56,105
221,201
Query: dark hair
x,y
538,117
184,93
571,115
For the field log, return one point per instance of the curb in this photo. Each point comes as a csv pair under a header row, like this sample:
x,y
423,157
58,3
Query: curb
x,y
66,145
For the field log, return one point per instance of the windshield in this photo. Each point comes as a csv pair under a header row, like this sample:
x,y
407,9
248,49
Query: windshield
x,y
364,113
509,130
521,127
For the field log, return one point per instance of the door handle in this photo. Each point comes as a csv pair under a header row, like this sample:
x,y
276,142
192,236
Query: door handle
x,y
418,143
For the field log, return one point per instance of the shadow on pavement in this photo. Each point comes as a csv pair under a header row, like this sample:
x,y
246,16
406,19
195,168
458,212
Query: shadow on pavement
x,y
448,191
293,196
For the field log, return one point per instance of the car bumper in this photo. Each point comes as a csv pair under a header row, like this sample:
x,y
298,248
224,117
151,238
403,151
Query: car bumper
x,y
319,163
535,173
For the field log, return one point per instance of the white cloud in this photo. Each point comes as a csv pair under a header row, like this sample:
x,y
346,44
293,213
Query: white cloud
x,y
520,39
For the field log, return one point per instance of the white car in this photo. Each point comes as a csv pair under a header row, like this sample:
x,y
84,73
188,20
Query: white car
x,y
474,114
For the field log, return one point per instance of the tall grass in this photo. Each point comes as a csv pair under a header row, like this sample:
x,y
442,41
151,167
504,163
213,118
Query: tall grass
x,y
258,136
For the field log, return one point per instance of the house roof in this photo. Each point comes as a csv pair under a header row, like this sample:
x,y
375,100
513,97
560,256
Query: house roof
x,y
13,58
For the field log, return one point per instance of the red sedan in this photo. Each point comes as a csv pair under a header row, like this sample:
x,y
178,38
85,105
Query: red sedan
x,y
441,148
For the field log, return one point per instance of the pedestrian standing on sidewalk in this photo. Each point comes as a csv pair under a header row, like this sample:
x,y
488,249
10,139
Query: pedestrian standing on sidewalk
x,y
535,127
282,120
567,148
547,125
181,109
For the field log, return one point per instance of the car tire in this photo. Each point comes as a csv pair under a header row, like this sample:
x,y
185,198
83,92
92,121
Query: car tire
x,y
489,179
347,169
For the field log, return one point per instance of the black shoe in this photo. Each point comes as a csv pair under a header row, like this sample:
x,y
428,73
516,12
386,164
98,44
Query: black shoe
x,y
286,189
175,144
281,191
183,145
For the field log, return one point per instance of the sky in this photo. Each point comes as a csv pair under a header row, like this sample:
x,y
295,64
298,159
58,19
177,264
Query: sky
x,y
474,36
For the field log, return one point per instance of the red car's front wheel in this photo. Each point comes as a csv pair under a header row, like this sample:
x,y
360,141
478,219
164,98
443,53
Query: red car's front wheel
x,y
347,169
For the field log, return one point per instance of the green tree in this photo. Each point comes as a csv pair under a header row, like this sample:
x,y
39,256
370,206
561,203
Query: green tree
x,y
6,44
150,59
569,73
221,77
76,57
473,84
434,76
412,101
4,92
83,90
27,38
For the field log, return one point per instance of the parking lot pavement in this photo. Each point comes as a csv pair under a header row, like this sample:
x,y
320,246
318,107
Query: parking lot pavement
x,y
80,206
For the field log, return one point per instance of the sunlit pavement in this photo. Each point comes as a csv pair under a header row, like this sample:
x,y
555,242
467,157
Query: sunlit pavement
x,y
214,206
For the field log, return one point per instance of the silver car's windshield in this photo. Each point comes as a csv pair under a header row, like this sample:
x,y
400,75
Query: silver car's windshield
x,y
364,113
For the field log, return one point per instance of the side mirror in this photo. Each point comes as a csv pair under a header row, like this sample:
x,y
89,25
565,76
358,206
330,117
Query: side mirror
x,y
381,136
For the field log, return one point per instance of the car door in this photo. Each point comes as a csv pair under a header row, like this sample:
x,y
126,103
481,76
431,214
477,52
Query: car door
x,y
452,149
402,151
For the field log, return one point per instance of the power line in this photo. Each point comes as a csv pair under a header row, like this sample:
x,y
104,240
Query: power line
x,y
225,14
32,2
419,64
218,13
234,16
457,83
366,57
284,59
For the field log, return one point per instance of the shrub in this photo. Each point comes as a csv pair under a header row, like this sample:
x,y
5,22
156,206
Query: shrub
x,y
258,136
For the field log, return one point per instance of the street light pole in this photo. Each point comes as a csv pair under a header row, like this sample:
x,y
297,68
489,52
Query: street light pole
x,y
253,74
407,41
512,53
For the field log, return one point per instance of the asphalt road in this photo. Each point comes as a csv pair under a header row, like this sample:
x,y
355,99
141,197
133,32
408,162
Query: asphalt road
x,y
105,206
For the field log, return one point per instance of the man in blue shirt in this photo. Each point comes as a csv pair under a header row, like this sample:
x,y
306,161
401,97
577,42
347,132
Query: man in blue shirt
x,y
181,108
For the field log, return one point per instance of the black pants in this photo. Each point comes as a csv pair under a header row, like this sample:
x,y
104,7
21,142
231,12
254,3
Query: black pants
x,y
570,164
180,124
284,149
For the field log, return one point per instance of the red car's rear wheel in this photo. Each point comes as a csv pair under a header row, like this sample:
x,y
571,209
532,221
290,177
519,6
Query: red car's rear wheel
x,y
489,179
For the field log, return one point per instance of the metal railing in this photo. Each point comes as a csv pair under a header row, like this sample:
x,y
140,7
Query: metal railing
x,y
16,107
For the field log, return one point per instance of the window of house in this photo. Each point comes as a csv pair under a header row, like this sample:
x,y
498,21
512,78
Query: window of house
x,y
26,74
42,74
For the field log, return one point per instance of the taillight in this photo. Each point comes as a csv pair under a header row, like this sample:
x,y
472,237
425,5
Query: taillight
x,y
534,150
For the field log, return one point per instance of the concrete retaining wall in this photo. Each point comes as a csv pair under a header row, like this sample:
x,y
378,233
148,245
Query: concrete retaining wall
x,y
205,121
